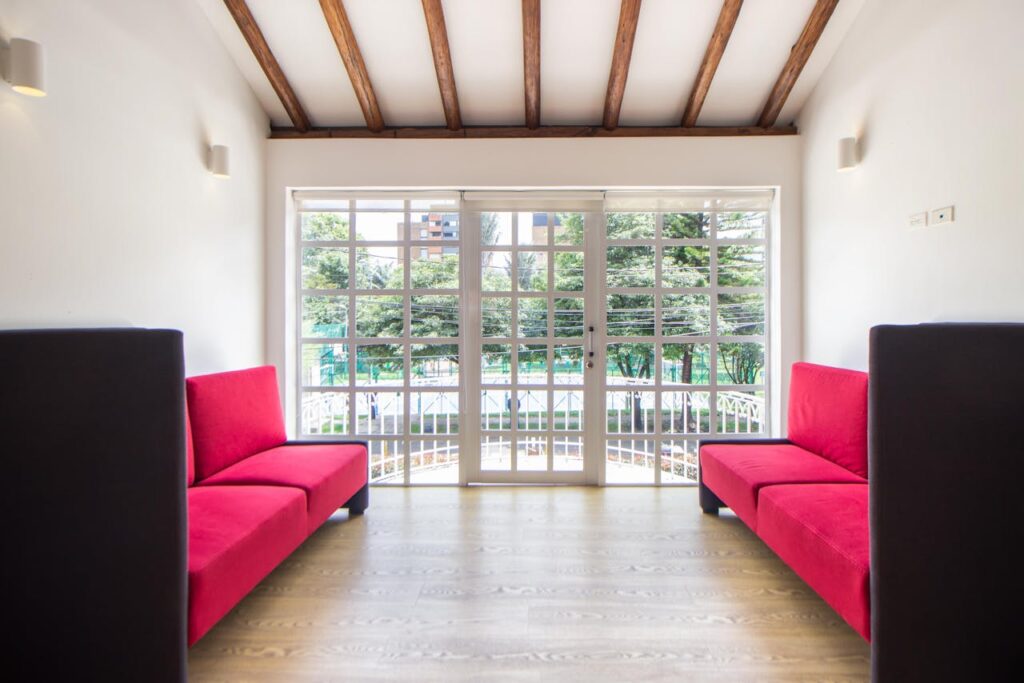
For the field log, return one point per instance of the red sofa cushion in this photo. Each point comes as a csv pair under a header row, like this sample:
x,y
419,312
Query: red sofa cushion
x,y
821,531
736,473
236,536
828,414
234,415
190,455
329,474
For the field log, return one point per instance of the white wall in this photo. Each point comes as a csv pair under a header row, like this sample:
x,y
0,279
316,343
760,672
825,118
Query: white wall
x,y
936,90
591,163
107,214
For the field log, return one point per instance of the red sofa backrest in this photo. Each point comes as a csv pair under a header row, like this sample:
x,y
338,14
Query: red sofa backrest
x,y
828,414
234,415
190,452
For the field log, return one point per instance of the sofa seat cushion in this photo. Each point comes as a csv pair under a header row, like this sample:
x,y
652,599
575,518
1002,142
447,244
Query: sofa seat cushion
x,y
828,414
329,474
236,536
736,473
233,415
821,532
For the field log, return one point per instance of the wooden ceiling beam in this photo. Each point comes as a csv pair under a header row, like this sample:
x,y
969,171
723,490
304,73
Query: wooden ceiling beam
x,y
712,57
261,51
798,57
531,61
540,132
629,14
434,14
352,58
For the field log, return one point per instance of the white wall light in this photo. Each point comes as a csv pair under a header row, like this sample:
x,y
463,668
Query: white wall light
x,y
23,63
219,161
849,155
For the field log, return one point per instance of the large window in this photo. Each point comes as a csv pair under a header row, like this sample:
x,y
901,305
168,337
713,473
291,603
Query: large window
x,y
379,340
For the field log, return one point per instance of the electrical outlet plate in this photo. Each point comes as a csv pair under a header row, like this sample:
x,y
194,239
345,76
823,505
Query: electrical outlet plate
x,y
919,220
943,215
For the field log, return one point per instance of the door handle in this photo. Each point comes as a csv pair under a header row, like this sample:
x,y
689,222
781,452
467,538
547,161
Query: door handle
x,y
590,347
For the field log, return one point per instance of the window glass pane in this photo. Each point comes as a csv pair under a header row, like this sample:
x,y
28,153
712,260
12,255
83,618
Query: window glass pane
x,y
533,364
685,364
686,225
686,267
435,412
568,364
630,412
380,227
496,365
742,225
569,320
437,268
630,225
380,412
630,315
679,461
630,461
435,316
496,453
741,266
532,409
435,461
685,315
495,409
379,268
434,225
685,412
495,229
533,317
496,316
533,271
630,267
325,412
380,316
630,364
324,268
568,271
323,226
387,461
380,365
324,365
569,229
533,228
496,271
325,316
567,452
740,363
741,412
435,365
741,314
568,410
446,204
532,454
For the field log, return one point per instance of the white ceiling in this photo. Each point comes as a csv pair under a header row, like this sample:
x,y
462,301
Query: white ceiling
x,y
486,37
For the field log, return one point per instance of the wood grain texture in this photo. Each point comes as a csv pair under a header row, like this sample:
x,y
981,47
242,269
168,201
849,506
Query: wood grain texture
x,y
352,58
798,57
541,132
533,583
258,44
629,15
712,58
438,32
531,61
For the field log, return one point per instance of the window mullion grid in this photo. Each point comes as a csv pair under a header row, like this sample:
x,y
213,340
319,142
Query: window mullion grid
x,y
713,324
350,328
550,368
406,344
513,392
659,221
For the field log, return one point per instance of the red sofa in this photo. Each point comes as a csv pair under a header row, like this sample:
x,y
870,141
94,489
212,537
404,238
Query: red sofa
x,y
807,496
253,496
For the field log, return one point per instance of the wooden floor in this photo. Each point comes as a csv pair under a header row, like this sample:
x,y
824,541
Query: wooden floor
x,y
532,584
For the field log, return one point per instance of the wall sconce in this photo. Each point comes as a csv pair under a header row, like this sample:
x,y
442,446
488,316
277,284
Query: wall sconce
x,y
23,64
219,162
849,155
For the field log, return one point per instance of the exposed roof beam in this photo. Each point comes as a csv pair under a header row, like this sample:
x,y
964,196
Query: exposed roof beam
x,y
798,57
258,44
531,61
712,57
434,14
541,132
629,13
341,29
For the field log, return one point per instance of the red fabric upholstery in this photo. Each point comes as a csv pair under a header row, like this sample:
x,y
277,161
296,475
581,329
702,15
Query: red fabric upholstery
x,y
329,474
190,455
828,414
821,531
236,536
737,473
234,415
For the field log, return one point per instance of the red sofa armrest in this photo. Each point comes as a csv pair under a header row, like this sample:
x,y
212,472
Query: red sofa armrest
x,y
741,442
327,442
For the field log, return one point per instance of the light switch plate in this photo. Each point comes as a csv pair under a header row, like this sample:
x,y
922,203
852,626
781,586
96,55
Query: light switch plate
x,y
918,220
943,215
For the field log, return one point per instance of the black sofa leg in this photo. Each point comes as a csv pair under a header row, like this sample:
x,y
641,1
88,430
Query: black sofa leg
x,y
709,502
358,503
